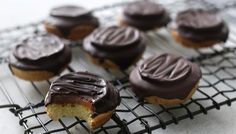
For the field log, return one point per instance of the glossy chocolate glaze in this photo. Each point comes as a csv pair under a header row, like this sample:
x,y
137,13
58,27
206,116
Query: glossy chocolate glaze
x,y
167,76
86,86
200,25
115,38
122,45
145,15
40,52
36,48
144,10
70,11
65,18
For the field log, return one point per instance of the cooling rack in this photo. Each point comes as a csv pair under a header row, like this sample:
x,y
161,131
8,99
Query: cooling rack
x,y
217,86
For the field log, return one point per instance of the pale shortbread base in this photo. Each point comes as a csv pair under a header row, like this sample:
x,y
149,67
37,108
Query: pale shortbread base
x,y
76,33
31,75
191,44
52,29
56,111
157,100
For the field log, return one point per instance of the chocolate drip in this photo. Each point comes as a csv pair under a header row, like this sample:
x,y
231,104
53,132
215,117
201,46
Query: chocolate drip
x,y
93,88
167,76
65,18
121,45
165,68
41,52
79,84
115,37
200,25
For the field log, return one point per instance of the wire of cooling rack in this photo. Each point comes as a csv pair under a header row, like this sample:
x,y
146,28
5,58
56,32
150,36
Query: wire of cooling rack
x,y
213,62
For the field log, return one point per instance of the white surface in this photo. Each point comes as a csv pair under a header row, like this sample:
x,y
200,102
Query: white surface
x,y
18,12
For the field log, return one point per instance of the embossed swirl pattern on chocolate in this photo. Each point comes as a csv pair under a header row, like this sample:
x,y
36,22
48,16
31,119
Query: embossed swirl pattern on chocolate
x,y
199,19
115,37
165,68
166,76
38,47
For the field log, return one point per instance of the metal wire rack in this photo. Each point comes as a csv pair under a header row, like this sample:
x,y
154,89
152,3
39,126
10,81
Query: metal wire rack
x,y
217,87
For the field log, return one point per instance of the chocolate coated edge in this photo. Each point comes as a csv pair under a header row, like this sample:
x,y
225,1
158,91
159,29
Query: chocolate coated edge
x,y
66,25
180,90
147,24
220,34
103,104
123,58
52,65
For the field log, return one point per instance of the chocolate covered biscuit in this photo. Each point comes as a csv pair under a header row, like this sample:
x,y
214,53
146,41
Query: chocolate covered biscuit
x,y
71,22
39,57
82,94
145,15
114,47
198,28
165,79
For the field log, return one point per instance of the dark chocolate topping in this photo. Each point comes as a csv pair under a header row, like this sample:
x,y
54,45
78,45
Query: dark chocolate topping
x,y
201,25
50,58
199,19
95,89
127,47
144,9
35,48
167,76
165,68
115,37
69,11
65,18
145,15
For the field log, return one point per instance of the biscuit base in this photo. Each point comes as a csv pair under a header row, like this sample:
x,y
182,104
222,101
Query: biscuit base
x,y
76,33
106,63
157,100
56,111
191,44
37,75
80,32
